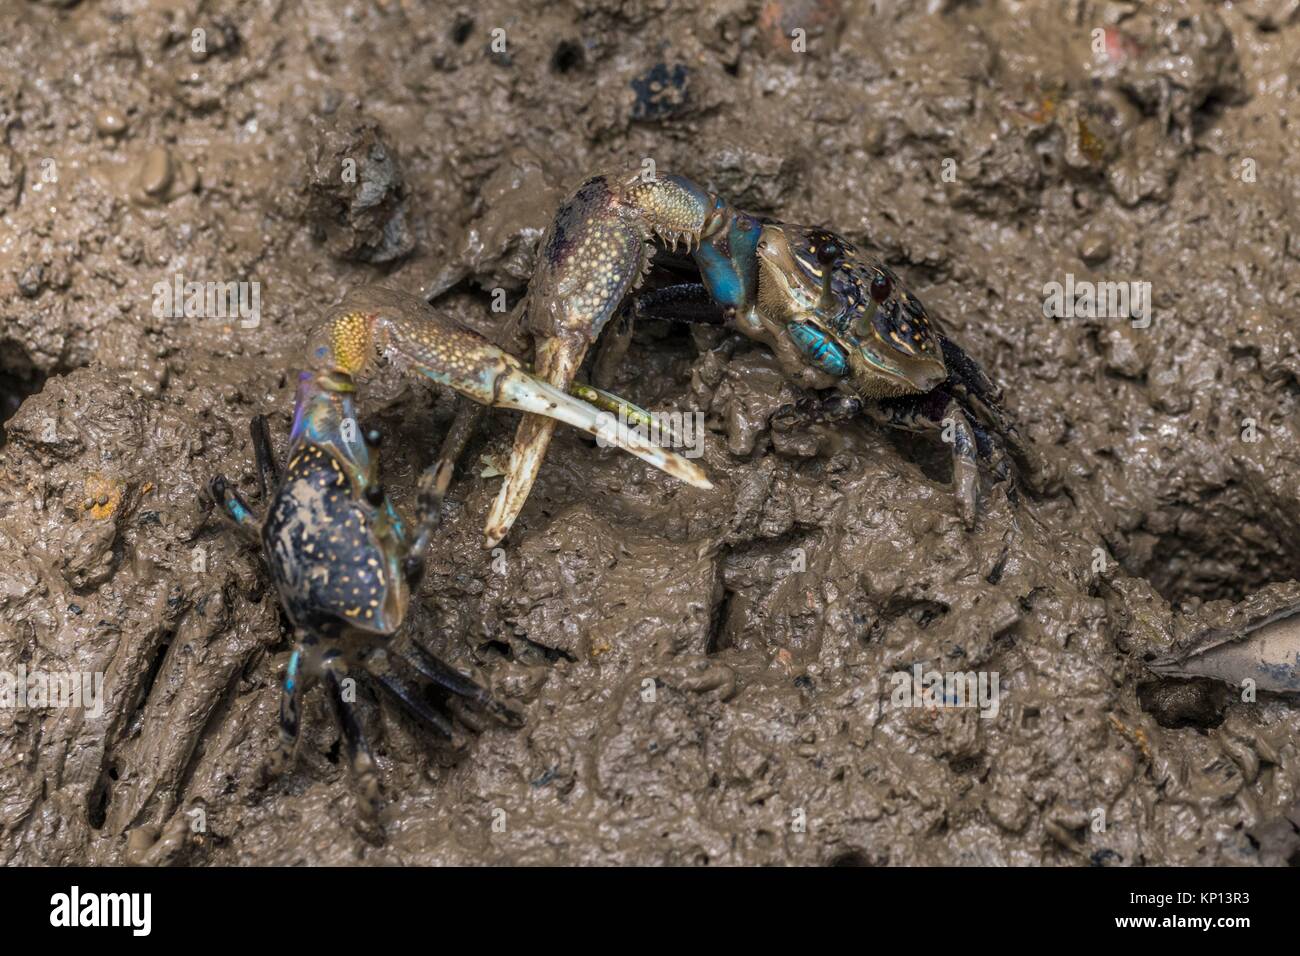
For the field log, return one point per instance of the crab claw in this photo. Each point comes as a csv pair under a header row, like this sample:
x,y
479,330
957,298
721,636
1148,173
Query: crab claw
x,y
595,253
383,321
528,393
555,363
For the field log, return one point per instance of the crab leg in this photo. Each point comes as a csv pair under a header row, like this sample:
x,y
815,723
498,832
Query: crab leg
x,y
234,507
384,321
597,251
296,681
360,758
938,411
268,469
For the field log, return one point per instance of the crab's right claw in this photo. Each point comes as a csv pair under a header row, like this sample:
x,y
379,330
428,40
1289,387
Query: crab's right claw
x,y
557,362
526,393
595,253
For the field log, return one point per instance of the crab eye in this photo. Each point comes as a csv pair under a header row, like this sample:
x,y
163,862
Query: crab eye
x,y
825,247
881,287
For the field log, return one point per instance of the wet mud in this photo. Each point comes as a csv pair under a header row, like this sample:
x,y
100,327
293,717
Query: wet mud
x,y
706,677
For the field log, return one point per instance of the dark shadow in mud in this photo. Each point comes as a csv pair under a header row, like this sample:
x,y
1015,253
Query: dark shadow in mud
x,y
1226,546
19,380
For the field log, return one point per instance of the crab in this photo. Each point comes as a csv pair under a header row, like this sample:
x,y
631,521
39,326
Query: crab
x,y
344,562
833,317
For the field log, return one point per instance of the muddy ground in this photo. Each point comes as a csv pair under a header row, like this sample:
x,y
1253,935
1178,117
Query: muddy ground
x,y
982,149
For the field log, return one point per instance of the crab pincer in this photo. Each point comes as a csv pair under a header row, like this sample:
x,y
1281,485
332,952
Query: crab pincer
x,y
594,254
382,322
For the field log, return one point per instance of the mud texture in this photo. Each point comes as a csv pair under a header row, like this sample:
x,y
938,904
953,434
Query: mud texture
x,y
705,676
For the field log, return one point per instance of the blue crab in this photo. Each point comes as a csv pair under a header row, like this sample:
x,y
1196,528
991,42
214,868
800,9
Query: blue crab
x,y
833,317
343,561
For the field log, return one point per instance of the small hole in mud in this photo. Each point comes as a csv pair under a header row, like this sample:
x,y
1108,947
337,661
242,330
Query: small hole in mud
x,y
964,765
97,804
850,858
1199,703
332,755
19,380
155,668
568,57
719,639
461,30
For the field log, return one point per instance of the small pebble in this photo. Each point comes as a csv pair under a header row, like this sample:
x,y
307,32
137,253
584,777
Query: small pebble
x,y
155,176
110,122
31,282
1094,249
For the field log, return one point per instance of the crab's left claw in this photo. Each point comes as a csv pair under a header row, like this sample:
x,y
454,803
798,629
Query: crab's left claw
x,y
595,252
378,320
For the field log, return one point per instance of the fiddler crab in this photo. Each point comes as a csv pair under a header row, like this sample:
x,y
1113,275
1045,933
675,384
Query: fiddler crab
x,y
833,317
345,564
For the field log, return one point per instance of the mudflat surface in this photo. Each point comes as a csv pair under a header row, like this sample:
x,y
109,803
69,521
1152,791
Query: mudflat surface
x,y
705,676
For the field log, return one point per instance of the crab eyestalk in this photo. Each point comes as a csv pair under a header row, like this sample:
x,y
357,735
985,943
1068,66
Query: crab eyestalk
x,y
826,247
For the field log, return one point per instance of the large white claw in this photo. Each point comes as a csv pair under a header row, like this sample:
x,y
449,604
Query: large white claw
x,y
526,393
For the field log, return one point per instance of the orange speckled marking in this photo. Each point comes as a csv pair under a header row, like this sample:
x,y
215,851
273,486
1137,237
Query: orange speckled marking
x,y
100,486
1135,734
